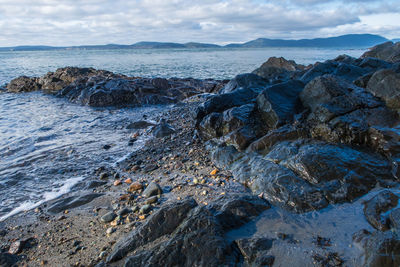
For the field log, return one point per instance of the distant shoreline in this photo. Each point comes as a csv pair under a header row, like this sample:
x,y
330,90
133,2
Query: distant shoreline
x,y
348,41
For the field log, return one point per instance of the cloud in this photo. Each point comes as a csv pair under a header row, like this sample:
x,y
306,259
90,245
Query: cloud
x,y
74,22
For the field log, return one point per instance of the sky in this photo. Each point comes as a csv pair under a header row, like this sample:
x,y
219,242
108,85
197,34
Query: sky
x,y
90,22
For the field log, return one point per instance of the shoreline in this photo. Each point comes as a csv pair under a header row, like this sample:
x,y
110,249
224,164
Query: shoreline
x,y
262,169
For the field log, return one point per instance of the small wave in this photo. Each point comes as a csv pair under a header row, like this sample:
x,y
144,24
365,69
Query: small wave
x,y
47,196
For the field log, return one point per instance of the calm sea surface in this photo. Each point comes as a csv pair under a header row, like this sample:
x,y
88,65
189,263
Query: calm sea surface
x,y
48,145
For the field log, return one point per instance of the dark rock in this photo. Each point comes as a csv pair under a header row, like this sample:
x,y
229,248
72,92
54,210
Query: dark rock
x,y
124,211
8,260
139,125
145,209
23,84
191,235
306,175
376,206
347,72
277,69
385,84
153,189
255,248
106,147
116,90
108,217
151,200
373,64
284,133
94,183
388,51
162,130
246,80
71,202
150,167
381,249
278,103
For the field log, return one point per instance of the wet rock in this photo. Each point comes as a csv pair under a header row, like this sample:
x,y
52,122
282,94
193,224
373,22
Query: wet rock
x,y
139,125
162,130
23,84
277,69
8,260
149,168
388,51
255,250
244,90
151,200
385,84
153,189
136,186
306,175
277,104
346,71
124,211
116,90
381,249
375,208
191,235
94,183
71,202
246,80
145,209
108,217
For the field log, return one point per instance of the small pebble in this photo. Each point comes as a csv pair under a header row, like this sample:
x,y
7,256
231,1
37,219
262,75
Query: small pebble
x,y
110,230
108,217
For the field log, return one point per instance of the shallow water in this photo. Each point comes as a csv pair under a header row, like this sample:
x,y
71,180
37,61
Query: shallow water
x,y
337,223
197,63
48,145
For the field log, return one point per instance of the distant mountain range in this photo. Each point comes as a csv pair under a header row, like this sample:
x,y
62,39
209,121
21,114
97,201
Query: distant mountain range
x,y
349,40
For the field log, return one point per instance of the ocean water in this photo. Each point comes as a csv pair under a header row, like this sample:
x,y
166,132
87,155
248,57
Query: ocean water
x,y
182,63
48,145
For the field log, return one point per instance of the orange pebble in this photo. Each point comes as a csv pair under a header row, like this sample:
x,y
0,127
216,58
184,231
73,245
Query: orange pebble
x,y
117,182
128,181
214,172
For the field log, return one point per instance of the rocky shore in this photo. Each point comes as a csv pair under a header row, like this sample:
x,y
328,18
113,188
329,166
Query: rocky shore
x,y
290,165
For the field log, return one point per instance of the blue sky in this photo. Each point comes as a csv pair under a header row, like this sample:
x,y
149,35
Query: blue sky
x,y
77,22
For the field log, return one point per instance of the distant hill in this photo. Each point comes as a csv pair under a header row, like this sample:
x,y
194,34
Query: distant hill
x,y
349,40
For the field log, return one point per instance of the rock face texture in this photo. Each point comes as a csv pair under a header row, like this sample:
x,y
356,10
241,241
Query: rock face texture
x,y
313,136
186,234
388,51
101,88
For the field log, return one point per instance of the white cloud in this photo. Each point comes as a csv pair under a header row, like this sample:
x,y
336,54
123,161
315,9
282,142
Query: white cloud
x,y
75,22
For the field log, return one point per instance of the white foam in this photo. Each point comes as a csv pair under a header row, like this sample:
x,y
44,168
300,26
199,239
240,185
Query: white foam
x,y
47,196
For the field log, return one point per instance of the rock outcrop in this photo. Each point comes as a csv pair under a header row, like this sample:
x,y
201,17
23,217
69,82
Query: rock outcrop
x,y
186,234
388,51
100,88
323,134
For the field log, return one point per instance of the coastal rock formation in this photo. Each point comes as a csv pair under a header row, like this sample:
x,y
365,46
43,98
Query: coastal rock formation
x,y
321,135
388,51
100,88
186,234
276,69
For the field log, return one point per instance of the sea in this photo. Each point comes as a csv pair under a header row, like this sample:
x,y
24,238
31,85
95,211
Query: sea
x,y
49,146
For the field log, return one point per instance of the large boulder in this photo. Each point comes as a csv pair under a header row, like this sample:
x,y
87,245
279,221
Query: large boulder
x,y
277,69
346,71
185,234
279,103
385,84
388,51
